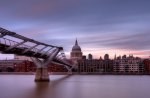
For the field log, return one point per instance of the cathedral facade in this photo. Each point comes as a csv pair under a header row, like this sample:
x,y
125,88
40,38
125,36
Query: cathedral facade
x,y
76,53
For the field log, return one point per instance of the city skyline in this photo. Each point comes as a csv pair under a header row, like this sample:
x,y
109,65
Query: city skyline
x,y
101,26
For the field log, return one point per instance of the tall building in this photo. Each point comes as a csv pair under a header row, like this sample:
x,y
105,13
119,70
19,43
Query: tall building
x,y
124,57
76,53
146,66
90,57
106,57
84,57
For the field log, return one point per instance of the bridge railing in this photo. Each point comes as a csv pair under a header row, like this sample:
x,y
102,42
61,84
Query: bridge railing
x,y
9,43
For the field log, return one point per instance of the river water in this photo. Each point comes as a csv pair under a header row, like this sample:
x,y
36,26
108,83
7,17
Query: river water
x,y
75,86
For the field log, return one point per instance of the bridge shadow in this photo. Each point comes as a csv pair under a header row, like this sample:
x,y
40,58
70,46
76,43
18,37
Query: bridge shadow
x,y
46,89
55,82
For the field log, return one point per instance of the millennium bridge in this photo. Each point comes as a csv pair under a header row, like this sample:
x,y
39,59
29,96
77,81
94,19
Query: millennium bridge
x,y
41,54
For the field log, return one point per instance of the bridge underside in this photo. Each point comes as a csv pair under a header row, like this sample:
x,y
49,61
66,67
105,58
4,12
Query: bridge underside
x,y
19,51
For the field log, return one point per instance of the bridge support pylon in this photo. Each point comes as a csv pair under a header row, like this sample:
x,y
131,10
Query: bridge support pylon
x,y
42,75
42,67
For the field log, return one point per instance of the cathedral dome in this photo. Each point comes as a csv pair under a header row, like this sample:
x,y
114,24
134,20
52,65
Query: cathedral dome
x,y
76,47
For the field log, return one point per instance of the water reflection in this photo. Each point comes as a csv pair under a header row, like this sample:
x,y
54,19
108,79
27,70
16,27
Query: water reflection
x,y
76,86
45,89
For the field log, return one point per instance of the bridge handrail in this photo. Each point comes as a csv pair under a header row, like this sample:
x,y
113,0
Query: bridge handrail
x,y
22,46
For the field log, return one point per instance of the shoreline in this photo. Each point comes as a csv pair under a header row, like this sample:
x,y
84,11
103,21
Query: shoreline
x,y
73,73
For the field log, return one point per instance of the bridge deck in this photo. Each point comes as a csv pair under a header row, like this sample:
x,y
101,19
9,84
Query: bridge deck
x,y
19,51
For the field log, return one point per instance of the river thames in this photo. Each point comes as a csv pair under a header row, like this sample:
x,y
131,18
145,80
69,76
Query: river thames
x,y
76,86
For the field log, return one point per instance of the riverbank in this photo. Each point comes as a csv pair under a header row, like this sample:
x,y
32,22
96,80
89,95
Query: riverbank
x,y
73,73
33,73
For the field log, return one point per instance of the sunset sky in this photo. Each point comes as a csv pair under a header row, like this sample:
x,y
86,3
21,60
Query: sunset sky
x,y
101,26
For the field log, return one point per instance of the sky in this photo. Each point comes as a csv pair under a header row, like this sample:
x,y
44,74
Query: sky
x,y
101,26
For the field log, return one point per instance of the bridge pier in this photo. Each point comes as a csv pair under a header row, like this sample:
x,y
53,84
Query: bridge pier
x,y
42,67
42,75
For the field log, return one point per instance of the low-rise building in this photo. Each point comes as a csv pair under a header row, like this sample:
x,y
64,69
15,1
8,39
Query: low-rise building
x,y
95,66
128,65
25,66
16,66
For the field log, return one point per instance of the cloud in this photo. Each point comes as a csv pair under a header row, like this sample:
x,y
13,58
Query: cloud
x,y
99,24
131,41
